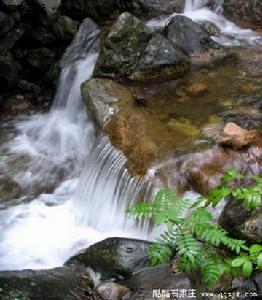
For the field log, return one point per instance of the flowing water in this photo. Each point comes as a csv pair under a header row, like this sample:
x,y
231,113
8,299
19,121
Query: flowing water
x,y
69,187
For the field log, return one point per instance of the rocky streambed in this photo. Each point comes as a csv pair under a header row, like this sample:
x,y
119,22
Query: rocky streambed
x,y
179,99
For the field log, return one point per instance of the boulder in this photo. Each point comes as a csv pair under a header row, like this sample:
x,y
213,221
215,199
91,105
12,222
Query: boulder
x,y
101,97
189,35
49,7
161,61
12,37
132,51
114,257
6,23
65,28
211,28
98,10
242,223
112,291
12,4
87,39
202,171
150,280
10,71
123,47
55,284
37,36
155,8
247,13
41,58
236,137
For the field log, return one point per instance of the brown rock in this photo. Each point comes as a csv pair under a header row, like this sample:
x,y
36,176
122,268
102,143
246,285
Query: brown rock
x,y
15,105
196,89
112,291
236,137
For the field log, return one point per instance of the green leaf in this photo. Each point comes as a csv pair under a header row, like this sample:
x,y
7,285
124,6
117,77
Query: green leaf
x,y
160,218
259,261
239,261
254,249
247,269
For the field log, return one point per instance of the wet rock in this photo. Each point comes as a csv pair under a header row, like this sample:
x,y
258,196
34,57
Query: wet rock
x,y
30,89
131,51
114,257
38,36
87,37
98,10
161,61
10,71
41,58
101,97
242,223
12,4
59,284
211,28
12,37
15,105
123,47
188,35
203,171
154,8
49,7
143,282
112,291
196,89
236,137
6,23
244,12
65,28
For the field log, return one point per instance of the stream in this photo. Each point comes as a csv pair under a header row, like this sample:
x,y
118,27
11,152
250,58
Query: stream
x,y
69,187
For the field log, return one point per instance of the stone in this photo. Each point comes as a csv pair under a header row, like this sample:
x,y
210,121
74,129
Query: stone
x,y
65,28
59,284
101,97
123,47
38,36
242,223
87,39
10,71
112,291
202,171
245,13
211,28
12,4
41,58
188,35
236,137
6,23
132,51
114,257
49,7
12,37
196,89
143,282
13,106
161,61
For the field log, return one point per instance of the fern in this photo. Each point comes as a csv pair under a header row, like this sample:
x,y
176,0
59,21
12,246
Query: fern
x,y
193,235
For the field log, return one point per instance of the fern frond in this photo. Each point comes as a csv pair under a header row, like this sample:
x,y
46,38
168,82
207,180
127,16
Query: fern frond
x,y
160,252
212,271
142,210
164,199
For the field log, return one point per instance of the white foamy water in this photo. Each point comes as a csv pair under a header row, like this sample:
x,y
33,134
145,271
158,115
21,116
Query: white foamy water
x,y
231,34
93,188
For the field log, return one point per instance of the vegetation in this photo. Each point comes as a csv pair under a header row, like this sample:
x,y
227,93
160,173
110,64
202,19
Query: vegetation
x,y
196,238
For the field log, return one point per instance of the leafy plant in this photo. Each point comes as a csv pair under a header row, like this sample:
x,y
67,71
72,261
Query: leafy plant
x,y
195,237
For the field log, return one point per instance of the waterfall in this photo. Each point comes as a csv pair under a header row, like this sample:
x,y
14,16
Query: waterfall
x,y
93,188
193,5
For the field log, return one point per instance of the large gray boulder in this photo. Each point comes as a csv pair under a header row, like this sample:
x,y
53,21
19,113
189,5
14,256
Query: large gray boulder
x,y
244,12
102,97
132,51
114,257
50,7
65,28
189,36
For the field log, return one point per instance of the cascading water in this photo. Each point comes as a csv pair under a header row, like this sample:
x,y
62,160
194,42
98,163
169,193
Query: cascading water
x,y
94,187
206,10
